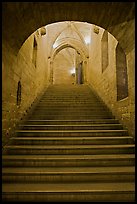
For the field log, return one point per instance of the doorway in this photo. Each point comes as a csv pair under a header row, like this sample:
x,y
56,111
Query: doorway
x,y
79,74
68,67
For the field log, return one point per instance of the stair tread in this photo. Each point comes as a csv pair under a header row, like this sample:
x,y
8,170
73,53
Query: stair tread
x,y
77,120
69,187
66,125
71,138
68,146
94,157
72,170
70,131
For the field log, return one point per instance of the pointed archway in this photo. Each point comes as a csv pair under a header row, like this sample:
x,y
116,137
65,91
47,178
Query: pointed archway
x,y
82,56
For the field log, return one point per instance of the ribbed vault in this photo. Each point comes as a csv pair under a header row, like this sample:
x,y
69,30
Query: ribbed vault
x,y
73,43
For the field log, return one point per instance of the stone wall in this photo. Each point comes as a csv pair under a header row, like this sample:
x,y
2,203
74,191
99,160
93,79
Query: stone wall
x,y
125,109
104,83
34,81
9,88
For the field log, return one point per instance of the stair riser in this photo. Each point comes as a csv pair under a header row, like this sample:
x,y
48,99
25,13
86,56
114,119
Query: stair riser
x,y
71,100
79,113
74,112
73,107
69,107
72,95
83,93
69,92
70,104
70,141
71,151
67,162
68,177
52,122
70,196
77,101
70,111
72,134
68,117
107,127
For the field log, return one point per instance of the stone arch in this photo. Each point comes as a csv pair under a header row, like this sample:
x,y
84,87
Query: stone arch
x,y
75,44
117,18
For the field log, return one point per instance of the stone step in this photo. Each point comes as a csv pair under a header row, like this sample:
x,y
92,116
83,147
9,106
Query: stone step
x,y
77,104
69,149
74,95
109,160
68,91
71,92
72,133
66,107
68,174
71,109
71,112
68,87
72,106
70,140
86,98
70,102
68,117
73,192
74,122
72,127
64,114
70,96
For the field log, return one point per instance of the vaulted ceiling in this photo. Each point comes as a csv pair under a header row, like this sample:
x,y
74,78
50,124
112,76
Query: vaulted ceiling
x,y
66,32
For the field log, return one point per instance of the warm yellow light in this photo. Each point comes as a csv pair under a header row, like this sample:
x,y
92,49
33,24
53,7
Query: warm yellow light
x,y
87,40
72,71
55,45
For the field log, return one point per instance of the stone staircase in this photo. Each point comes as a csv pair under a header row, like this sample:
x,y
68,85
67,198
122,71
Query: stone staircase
x,y
71,148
